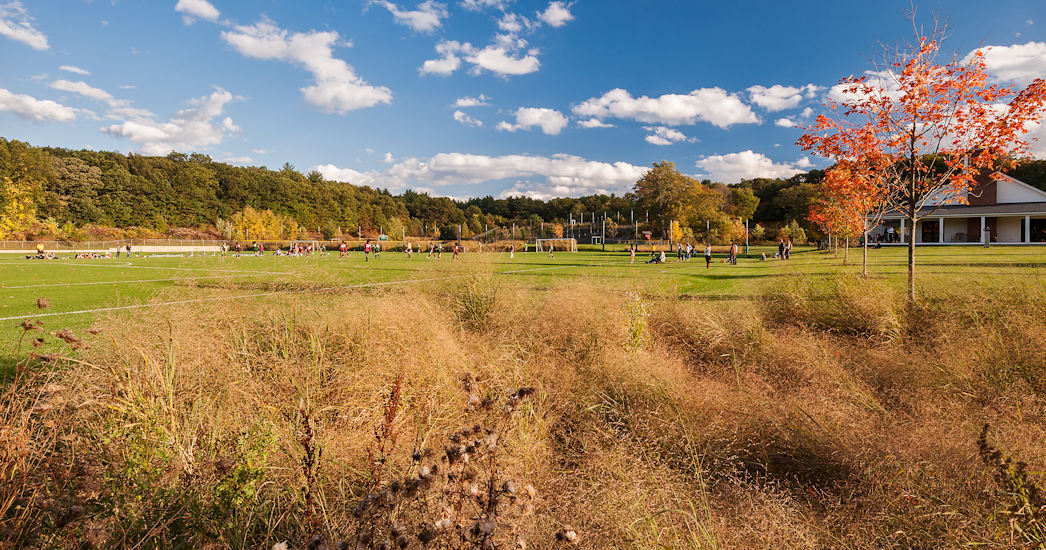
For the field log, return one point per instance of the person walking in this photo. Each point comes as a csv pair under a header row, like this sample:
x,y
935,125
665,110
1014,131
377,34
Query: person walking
x,y
788,250
366,251
733,253
708,256
781,249
550,255
631,253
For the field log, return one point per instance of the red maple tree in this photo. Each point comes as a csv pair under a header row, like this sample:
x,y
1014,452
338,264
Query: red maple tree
x,y
915,134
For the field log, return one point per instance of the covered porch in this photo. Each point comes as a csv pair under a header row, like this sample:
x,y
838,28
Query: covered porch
x,y
944,229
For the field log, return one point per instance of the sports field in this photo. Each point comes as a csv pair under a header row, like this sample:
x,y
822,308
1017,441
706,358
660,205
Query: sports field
x,y
78,291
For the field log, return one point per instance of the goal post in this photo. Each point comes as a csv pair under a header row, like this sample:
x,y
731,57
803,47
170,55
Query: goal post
x,y
569,245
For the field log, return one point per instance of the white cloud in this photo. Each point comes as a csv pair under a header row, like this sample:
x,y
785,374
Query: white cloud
x,y
666,136
593,123
197,8
479,5
806,112
259,151
16,24
784,122
427,18
239,160
504,57
464,102
514,23
389,159
188,129
712,105
1019,63
231,126
36,110
83,89
463,118
337,88
779,98
876,82
559,175
74,69
118,108
733,167
448,62
127,86
550,121
556,14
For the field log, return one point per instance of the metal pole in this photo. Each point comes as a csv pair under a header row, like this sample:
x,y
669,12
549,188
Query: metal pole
x,y
746,237
604,237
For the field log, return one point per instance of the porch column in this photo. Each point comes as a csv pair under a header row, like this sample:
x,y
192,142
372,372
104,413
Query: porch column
x,y
982,229
902,230
1027,229
940,230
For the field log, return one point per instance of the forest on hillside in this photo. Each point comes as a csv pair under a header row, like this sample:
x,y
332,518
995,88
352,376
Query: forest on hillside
x,y
56,193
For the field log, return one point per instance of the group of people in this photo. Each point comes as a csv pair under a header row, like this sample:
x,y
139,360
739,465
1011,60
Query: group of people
x,y
784,250
683,254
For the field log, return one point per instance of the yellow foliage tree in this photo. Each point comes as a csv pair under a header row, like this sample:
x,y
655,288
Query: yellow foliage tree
x,y
17,208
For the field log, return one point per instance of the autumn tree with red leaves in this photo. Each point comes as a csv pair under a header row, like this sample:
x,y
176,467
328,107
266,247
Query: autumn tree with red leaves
x,y
852,204
914,134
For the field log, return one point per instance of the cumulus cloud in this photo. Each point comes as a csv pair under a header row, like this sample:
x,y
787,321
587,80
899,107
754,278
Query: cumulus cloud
x,y
666,136
550,121
74,69
556,14
196,8
463,118
593,123
464,102
784,122
239,160
536,176
503,57
1019,63
480,5
515,23
712,105
17,24
806,112
779,98
427,18
188,129
337,88
734,167
36,110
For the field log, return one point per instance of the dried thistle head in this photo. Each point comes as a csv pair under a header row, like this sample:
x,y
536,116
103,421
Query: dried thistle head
x,y
43,303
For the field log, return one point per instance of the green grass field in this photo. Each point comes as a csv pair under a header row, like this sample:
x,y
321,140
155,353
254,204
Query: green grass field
x,y
75,288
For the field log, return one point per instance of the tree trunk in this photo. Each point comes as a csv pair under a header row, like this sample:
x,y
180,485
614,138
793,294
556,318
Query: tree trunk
x,y
846,251
911,258
864,260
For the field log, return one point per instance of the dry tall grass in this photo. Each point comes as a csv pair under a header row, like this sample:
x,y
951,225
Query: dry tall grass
x,y
822,416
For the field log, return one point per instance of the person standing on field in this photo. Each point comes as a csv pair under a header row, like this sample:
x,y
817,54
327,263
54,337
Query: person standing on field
x,y
512,251
631,253
550,255
456,249
788,250
366,251
781,249
733,253
708,256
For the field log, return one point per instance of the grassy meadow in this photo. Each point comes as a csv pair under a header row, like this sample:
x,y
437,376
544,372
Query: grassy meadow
x,y
489,402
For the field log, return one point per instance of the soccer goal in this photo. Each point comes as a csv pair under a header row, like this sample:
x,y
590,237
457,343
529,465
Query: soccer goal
x,y
570,245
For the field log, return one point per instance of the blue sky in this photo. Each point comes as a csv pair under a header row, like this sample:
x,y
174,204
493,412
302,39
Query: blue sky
x,y
468,97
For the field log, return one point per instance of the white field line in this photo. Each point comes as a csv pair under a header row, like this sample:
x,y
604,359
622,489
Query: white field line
x,y
140,281
262,294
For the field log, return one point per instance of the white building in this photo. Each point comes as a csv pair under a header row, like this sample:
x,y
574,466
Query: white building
x,y
1002,208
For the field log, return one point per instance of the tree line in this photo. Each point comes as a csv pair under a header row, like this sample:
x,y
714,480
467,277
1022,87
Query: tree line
x,y
47,191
